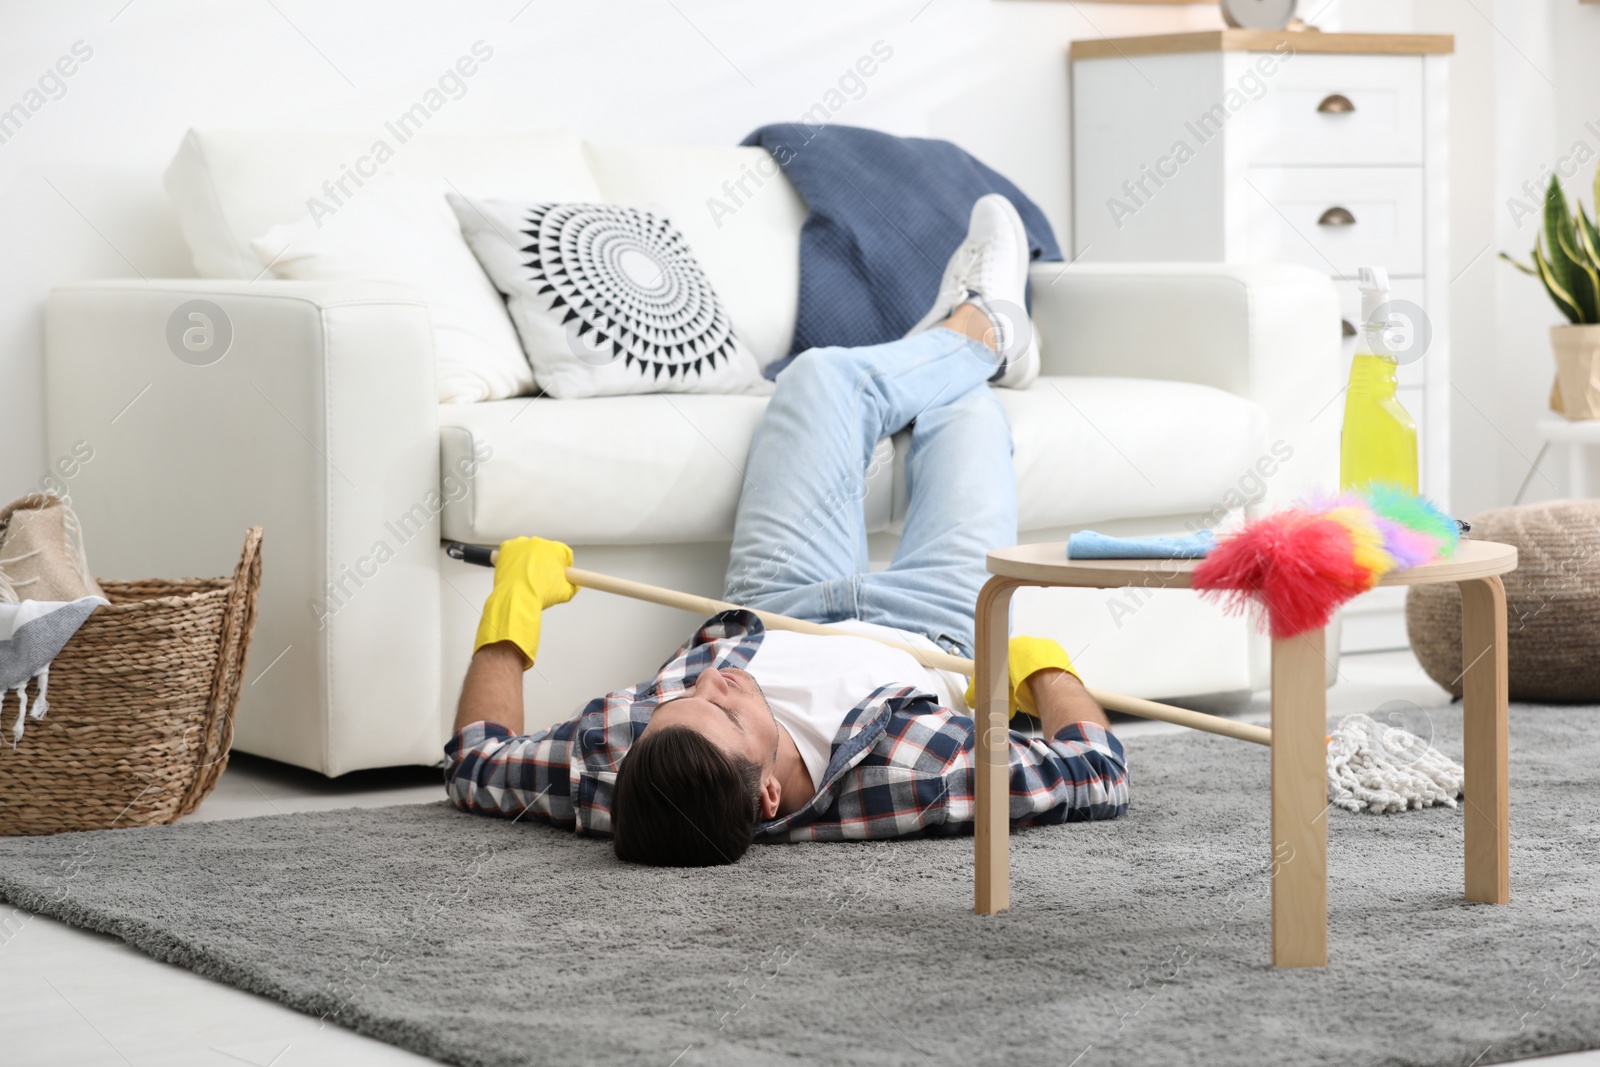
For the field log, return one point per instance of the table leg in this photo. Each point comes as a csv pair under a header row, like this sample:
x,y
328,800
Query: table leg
x,y
1299,801
1486,818
991,750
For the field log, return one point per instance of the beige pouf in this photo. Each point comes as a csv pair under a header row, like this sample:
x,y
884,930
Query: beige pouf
x,y
1552,604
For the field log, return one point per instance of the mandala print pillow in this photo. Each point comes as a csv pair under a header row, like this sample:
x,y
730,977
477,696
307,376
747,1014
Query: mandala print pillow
x,y
607,300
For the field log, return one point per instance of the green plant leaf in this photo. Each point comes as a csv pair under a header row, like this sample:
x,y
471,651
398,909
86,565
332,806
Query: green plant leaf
x,y
1585,280
1523,267
1558,292
1595,191
1557,216
1559,237
1588,238
1589,246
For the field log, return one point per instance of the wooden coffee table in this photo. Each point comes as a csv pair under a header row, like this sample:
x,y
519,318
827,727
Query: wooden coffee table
x,y
1299,845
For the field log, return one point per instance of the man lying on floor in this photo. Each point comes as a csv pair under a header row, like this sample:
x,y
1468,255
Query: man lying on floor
x,y
749,734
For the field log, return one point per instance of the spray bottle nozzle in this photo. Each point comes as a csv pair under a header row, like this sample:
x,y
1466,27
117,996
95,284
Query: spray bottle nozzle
x,y
1374,285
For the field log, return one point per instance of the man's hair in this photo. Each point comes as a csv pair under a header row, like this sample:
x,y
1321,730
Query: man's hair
x,y
680,801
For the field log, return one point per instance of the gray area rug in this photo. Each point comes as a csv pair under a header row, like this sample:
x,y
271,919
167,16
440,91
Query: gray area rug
x,y
1140,941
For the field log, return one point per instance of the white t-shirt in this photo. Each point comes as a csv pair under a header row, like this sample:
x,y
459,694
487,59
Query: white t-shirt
x,y
812,682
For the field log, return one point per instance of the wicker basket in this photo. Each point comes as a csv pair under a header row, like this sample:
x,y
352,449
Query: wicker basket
x,y
1552,605
141,707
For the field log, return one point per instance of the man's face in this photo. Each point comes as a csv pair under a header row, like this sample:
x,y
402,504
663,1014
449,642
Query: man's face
x,y
726,708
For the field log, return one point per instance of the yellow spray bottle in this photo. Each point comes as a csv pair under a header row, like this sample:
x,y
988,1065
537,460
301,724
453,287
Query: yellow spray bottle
x,y
1380,438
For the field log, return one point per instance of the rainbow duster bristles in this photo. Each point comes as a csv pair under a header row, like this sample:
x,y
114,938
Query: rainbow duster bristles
x,y
1416,514
1301,563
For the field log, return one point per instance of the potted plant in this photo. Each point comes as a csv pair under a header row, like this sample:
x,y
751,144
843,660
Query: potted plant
x,y
1566,257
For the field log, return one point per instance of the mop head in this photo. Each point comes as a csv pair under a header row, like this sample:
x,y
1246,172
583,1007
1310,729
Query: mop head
x,y
1303,562
1379,769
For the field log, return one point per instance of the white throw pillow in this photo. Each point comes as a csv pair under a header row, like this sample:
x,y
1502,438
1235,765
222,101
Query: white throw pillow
x,y
401,230
740,215
608,300
230,186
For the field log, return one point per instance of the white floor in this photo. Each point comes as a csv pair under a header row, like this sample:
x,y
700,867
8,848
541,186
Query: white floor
x,y
72,998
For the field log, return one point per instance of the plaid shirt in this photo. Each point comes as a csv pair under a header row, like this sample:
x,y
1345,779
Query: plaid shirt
x,y
901,764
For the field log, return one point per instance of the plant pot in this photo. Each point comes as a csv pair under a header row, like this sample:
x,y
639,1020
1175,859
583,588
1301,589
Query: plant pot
x,y
1577,390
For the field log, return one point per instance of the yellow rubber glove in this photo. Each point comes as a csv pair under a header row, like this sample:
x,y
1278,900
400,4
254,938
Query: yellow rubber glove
x,y
1026,657
529,576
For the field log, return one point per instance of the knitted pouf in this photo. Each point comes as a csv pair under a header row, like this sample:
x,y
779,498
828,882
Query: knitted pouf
x,y
1552,604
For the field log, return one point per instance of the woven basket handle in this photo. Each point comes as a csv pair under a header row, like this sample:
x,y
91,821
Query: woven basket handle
x,y
233,653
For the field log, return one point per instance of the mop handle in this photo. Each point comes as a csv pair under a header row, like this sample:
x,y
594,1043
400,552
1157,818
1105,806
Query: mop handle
x,y
485,556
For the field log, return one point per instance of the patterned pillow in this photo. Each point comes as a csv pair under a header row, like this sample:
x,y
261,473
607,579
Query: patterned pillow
x,y
607,299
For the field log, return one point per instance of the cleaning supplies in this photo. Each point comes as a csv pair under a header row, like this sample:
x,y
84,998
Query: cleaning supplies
x,y
1027,657
530,574
1381,769
1302,562
1380,439
1087,544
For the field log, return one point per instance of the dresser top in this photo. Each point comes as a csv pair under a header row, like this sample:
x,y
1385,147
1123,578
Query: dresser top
x,y
1404,44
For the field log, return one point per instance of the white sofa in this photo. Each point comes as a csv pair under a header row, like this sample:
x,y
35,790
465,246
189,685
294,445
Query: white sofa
x,y
1171,392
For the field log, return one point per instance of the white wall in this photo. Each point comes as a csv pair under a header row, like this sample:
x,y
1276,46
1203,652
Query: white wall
x,y
1522,89
80,183
1559,97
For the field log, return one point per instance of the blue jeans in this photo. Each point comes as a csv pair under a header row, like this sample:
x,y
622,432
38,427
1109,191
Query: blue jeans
x,y
800,541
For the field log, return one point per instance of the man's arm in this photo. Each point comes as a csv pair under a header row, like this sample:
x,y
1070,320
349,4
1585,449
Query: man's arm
x,y
1078,771
529,576
493,689
491,767
1062,700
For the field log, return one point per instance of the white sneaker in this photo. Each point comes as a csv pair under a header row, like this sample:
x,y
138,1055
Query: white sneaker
x,y
990,271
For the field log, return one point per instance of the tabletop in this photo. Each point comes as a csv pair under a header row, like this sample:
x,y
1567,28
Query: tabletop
x,y
1046,563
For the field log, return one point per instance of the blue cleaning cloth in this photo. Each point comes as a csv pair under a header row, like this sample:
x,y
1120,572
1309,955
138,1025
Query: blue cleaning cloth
x,y
1086,544
885,215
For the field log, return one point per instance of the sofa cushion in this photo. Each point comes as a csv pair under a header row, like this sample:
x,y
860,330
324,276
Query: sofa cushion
x,y
668,469
401,230
739,214
606,298
1093,449
603,470
231,186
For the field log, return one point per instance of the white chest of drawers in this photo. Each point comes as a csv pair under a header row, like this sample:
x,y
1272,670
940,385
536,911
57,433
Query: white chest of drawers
x,y
1328,150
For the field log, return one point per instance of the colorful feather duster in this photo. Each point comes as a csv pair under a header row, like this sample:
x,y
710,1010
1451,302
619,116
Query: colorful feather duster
x,y
1301,563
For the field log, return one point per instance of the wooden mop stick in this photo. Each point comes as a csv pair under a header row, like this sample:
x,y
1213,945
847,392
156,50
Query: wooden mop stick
x,y
704,605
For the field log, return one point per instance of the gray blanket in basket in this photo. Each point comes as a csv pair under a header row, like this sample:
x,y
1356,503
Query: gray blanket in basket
x,y
31,633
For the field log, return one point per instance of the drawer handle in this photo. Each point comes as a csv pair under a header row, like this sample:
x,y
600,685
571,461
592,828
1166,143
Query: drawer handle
x,y
1336,216
1347,329
1336,104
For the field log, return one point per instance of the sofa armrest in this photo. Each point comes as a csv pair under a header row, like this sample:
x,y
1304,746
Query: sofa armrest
x,y
1269,333
308,408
